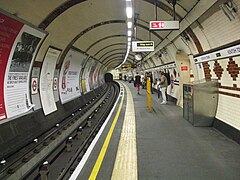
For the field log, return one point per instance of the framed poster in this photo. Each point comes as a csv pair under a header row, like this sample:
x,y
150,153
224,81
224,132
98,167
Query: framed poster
x,y
69,78
47,80
86,75
19,44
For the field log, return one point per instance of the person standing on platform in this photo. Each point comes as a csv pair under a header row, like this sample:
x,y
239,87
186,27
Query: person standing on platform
x,y
151,81
163,86
138,82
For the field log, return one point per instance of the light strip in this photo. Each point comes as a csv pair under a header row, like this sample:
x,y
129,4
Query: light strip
x,y
129,33
129,25
129,11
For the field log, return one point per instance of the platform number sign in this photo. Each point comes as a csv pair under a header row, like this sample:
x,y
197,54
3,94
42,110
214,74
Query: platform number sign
x,y
34,85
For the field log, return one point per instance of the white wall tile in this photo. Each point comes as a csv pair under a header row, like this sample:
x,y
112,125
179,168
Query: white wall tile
x,y
228,110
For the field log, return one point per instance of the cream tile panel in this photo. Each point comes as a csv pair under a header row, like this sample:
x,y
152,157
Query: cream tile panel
x,y
219,30
228,110
226,79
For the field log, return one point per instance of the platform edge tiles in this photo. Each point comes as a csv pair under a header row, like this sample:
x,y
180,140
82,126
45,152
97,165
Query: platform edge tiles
x,y
125,166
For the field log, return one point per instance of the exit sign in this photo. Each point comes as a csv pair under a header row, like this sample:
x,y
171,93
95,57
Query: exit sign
x,y
184,68
154,25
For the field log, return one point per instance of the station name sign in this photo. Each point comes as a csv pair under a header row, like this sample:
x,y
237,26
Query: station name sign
x,y
142,46
220,54
163,25
162,67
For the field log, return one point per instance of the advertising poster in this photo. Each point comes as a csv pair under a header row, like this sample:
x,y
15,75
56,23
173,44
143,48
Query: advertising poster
x,y
172,74
47,80
90,81
18,47
86,73
95,75
69,81
84,88
101,76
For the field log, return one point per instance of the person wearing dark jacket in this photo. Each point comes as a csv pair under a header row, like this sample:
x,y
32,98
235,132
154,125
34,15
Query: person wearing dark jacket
x,y
137,82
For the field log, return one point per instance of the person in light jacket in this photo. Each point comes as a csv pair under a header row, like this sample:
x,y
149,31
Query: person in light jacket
x,y
163,86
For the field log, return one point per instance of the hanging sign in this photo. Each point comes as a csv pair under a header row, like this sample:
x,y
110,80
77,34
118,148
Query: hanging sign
x,y
142,46
156,25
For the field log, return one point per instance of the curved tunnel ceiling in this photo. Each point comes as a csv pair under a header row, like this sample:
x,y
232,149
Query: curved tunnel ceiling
x,y
93,26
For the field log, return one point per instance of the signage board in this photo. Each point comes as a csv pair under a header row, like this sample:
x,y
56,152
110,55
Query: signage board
x,y
163,25
184,68
219,54
142,46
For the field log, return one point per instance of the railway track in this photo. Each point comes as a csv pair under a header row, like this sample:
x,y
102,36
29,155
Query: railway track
x,y
58,151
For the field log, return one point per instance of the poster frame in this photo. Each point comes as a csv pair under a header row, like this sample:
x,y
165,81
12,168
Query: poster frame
x,y
60,50
33,60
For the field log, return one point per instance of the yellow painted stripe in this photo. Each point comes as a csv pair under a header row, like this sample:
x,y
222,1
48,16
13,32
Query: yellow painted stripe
x,y
125,166
102,153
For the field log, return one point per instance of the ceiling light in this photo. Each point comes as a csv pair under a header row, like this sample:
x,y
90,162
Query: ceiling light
x,y
129,43
129,39
129,25
129,33
129,12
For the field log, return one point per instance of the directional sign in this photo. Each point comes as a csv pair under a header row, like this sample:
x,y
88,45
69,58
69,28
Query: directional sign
x,y
162,25
34,85
142,46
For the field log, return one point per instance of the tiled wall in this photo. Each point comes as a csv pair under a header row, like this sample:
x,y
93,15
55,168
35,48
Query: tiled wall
x,y
227,71
218,31
215,31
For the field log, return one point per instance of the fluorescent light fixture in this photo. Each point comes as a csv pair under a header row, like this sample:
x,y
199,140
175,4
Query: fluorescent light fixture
x,y
129,38
128,0
129,33
129,12
129,25
129,43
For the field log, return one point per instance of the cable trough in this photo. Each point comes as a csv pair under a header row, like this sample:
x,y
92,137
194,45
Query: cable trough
x,y
56,153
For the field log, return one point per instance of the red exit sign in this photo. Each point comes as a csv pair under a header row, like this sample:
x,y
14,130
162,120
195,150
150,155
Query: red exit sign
x,y
184,68
163,25
157,25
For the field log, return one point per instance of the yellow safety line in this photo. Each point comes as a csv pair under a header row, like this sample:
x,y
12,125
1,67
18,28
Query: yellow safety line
x,y
102,153
125,166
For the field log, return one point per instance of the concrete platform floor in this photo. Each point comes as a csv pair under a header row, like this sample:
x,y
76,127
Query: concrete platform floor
x,y
169,147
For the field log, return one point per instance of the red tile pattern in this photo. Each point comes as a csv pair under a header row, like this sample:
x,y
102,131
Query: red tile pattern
x,y
207,71
233,69
218,70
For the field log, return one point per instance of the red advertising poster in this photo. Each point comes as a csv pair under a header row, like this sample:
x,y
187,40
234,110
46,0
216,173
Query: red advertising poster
x,y
19,44
9,29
